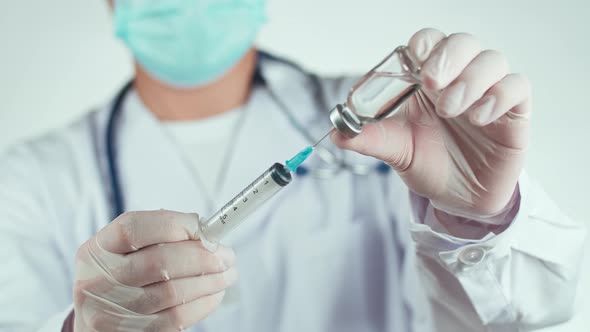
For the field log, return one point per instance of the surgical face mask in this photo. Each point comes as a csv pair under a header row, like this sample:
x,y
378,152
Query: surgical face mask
x,y
188,43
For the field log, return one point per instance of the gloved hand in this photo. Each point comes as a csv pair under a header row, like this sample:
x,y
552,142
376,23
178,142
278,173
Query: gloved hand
x,y
461,140
146,272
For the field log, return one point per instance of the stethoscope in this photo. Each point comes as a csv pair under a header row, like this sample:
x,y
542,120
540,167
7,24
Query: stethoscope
x,y
333,163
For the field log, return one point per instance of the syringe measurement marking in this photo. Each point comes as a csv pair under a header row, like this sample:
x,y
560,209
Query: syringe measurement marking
x,y
241,196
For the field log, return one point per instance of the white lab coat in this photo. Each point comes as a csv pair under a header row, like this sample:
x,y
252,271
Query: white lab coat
x,y
323,255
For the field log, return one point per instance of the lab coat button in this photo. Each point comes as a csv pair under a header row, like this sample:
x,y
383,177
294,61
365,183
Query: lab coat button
x,y
472,255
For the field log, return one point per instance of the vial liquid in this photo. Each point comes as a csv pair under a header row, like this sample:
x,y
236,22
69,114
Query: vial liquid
x,y
379,93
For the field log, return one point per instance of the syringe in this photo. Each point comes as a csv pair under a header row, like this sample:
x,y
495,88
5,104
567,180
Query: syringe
x,y
377,95
277,177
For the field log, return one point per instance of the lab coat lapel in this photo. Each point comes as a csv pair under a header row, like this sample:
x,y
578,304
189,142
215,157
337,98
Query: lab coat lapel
x,y
153,173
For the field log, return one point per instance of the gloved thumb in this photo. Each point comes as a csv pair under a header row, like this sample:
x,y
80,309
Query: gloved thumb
x,y
389,140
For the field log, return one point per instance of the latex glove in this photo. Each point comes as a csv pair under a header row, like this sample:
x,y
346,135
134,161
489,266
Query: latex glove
x,y
461,140
146,272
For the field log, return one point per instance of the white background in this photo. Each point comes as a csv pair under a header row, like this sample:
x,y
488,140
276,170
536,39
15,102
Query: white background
x,y
58,59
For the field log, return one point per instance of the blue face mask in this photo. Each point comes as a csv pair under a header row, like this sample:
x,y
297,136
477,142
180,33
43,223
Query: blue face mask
x,y
188,43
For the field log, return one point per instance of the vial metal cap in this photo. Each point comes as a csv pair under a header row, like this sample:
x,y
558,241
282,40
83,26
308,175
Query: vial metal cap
x,y
345,121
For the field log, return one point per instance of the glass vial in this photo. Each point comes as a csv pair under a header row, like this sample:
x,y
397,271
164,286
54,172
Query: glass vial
x,y
379,93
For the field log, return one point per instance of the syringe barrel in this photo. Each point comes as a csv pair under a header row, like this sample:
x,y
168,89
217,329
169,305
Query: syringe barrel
x,y
212,230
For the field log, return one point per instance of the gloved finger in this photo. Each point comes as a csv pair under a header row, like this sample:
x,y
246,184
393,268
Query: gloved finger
x,y
388,140
167,294
448,60
132,231
423,42
167,261
100,315
97,288
509,96
106,316
184,316
480,75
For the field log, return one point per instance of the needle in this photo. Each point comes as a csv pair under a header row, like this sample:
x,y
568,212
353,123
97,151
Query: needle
x,y
321,139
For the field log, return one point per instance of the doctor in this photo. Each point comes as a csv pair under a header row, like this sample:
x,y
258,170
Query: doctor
x,y
454,238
